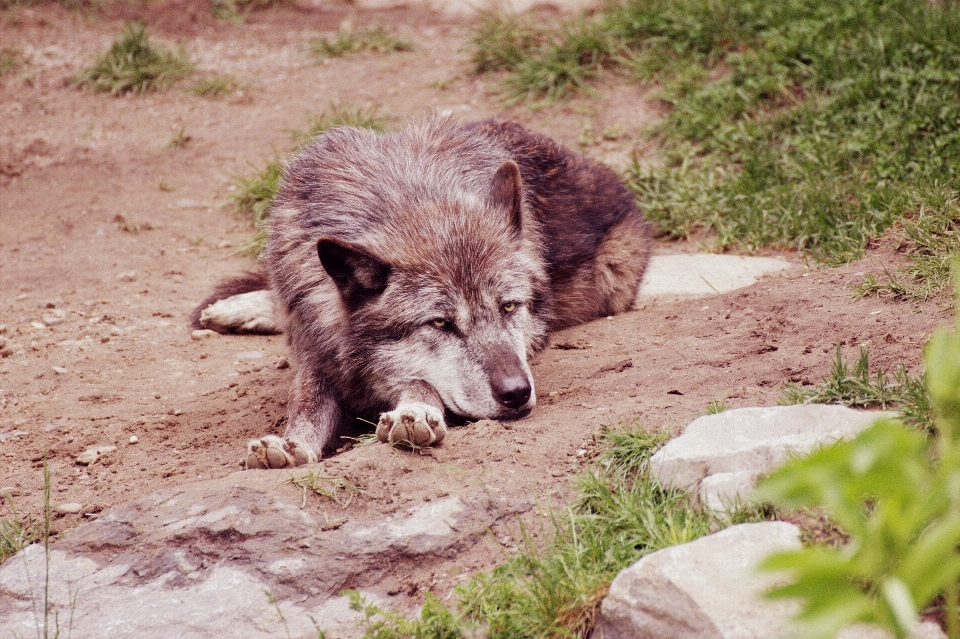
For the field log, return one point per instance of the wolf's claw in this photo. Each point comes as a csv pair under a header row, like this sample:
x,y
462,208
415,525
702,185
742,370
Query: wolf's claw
x,y
275,452
415,424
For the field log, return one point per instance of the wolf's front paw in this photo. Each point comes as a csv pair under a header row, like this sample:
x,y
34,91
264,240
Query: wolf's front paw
x,y
275,452
415,424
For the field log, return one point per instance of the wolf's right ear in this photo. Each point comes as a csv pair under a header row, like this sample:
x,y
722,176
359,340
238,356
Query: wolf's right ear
x,y
505,192
359,276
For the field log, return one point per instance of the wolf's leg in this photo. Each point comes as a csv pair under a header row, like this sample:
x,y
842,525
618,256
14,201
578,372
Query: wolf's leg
x,y
314,416
417,420
251,312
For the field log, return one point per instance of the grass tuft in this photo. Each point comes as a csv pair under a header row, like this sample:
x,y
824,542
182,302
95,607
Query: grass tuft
x,y
216,86
348,41
17,533
11,60
858,388
255,193
134,65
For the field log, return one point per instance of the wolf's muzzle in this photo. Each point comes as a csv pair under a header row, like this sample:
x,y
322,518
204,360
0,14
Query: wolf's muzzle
x,y
512,391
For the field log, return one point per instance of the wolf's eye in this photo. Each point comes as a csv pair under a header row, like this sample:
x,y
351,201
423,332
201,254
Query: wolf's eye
x,y
509,307
440,323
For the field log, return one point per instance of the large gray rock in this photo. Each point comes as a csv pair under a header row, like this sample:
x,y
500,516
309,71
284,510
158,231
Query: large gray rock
x,y
705,589
722,455
710,589
223,559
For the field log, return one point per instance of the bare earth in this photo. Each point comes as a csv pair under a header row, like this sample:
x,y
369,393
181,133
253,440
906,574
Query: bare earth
x,y
89,237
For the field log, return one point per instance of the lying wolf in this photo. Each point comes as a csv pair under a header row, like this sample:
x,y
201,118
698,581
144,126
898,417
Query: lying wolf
x,y
417,272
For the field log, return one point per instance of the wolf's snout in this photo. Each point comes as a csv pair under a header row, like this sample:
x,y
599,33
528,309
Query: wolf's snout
x,y
512,391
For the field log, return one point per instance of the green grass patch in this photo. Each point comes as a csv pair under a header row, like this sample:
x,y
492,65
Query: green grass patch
x,y
216,86
860,388
349,40
796,125
17,533
553,588
254,193
134,65
11,60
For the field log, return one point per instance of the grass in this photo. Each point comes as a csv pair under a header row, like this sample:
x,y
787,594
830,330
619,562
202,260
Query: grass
x,y
798,125
178,138
216,86
554,588
348,41
16,533
255,192
134,65
236,11
339,490
861,389
11,60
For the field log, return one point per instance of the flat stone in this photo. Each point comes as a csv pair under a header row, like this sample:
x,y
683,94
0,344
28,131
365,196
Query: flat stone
x,y
203,333
71,508
726,492
754,440
705,589
12,434
679,277
93,454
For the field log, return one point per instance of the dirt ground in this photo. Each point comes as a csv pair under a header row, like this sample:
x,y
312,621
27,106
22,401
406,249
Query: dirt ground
x,y
109,238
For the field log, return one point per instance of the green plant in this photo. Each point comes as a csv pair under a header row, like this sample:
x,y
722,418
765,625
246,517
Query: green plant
x,y
348,40
216,86
501,41
178,138
716,406
135,65
859,388
238,10
340,114
16,533
254,194
435,621
893,491
11,60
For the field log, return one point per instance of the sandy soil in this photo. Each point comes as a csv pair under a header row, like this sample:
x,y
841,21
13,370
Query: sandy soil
x,y
100,266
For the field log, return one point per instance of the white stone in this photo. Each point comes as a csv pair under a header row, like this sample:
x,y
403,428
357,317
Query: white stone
x,y
203,333
726,492
678,277
94,453
69,509
705,589
134,439
756,440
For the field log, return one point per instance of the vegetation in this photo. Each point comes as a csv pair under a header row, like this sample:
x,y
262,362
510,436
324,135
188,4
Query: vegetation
x,y
807,125
16,533
348,40
555,589
255,192
238,10
11,60
134,65
893,491
858,388
216,86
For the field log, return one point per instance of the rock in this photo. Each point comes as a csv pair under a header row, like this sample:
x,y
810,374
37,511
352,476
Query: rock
x,y
203,333
128,276
12,434
134,439
248,355
53,318
93,454
60,370
676,277
744,443
71,508
197,559
705,589
6,492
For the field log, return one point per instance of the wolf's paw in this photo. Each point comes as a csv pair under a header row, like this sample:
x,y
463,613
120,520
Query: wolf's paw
x,y
415,424
275,452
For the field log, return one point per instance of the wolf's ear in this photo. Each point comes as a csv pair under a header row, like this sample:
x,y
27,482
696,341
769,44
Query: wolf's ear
x,y
504,192
359,276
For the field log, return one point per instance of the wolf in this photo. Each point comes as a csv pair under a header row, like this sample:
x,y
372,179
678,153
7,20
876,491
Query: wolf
x,y
416,273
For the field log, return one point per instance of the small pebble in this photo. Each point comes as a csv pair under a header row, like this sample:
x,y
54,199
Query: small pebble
x,y
72,508
60,370
203,333
127,276
92,454
10,491
38,325
134,439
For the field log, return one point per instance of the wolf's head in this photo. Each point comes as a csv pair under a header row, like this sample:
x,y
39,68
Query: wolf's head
x,y
450,293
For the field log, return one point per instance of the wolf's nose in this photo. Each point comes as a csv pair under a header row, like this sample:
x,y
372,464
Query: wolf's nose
x,y
513,391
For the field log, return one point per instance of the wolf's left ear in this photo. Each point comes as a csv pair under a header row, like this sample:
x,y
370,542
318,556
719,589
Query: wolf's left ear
x,y
504,192
359,275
